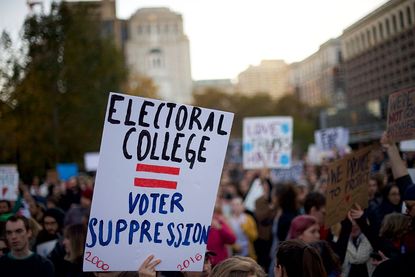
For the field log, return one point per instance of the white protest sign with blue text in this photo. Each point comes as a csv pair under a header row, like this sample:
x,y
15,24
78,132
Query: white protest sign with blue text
x,y
292,174
159,170
267,142
327,139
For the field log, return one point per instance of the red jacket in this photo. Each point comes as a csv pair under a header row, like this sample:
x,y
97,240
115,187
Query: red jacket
x,y
218,239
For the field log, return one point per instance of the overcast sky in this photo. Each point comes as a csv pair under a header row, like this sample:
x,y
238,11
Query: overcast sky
x,y
226,36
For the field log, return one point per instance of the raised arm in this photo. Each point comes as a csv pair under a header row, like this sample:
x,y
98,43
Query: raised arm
x,y
397,164
399,170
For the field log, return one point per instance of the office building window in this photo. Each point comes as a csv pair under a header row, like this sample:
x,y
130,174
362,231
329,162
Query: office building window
x,y
369,39
395,24
155,58
388,30
363,41
409,15
401,20
381,30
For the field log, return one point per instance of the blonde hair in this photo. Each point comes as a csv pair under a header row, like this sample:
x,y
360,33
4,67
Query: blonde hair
x,y
394,225
238,266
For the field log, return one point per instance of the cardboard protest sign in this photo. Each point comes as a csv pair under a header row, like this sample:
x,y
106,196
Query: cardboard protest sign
x,y
328,139
267,142
9,182
156,184
292,174
347,184
401,115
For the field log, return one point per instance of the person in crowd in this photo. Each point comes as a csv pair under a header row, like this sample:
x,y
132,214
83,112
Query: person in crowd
x,y
238,266
74,242
390,240
37,211
287,200
37,190
5,213
72,194
20,261
295,258
51,232
77,213
395,227
375,186
220,235
315,205
402,265
357,261
391,202
302,192
52,202
405,185
305,228
3,247
244,228
331,261
265,211
5,206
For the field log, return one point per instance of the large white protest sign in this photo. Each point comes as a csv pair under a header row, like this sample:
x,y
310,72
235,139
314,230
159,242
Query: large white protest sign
x,y
156,184
267,142
327,139
9,182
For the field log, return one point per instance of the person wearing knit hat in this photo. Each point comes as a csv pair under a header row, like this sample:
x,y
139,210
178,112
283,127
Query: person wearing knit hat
x,y
51,232
55,214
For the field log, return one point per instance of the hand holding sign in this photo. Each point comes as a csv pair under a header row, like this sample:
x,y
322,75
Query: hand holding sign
x,y
356,212
148,267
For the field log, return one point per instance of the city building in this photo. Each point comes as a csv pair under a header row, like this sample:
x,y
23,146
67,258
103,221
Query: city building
x,y
317,80
378,59
157,47
222,85
271,77
379,53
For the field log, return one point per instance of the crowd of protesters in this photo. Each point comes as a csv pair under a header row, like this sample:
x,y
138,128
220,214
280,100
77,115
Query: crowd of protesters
x,y
280,232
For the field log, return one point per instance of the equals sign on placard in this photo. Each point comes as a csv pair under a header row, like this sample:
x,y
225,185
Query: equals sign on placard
x,y
156,182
